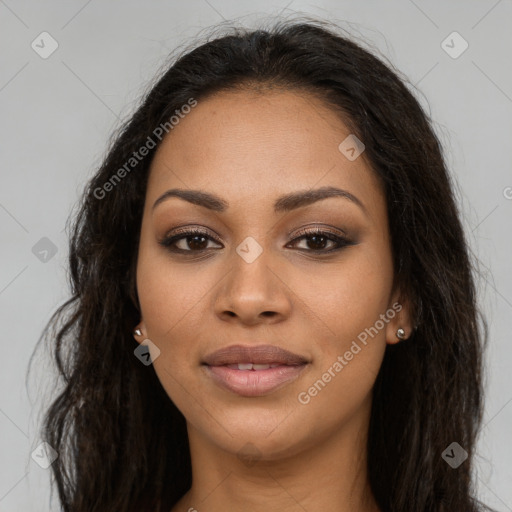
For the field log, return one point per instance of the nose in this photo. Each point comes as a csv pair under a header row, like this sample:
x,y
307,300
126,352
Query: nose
x,y
253,292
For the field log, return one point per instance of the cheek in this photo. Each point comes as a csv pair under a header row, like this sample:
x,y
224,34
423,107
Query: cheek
x,y
170,294
350,297
169,306
172,298
350,353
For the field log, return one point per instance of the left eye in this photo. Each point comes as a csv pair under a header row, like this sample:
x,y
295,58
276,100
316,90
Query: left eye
x,y
319,237
197,241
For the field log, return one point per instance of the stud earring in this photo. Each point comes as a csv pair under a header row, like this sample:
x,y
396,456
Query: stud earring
x,y
137,332
400,334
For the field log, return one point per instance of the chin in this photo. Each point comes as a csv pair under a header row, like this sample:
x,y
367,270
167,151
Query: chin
x,y
270,440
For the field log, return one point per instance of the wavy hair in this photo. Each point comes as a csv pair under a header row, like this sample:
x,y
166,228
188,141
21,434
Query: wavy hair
x,y
122,442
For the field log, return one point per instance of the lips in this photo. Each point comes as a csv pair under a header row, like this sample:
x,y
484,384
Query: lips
x,y
253,371
255,356
252,366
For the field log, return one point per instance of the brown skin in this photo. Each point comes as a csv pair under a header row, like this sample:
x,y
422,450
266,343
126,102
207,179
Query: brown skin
x,y
249,148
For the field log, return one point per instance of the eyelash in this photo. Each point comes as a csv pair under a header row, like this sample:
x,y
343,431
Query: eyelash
x,y
340,241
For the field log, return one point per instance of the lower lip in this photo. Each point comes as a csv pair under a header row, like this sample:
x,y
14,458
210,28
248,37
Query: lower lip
x,y
254,382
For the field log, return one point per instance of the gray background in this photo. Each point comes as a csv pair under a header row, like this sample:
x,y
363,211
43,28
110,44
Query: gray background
x,y
58,112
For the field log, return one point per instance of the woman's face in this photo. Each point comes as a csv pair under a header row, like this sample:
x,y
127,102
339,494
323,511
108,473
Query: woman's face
x,y
251,278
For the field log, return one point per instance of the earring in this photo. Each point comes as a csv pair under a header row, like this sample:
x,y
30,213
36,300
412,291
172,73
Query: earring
x,y
400,334
137,332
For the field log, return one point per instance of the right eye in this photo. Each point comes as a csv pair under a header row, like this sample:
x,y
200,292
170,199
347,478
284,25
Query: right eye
x,y
195,237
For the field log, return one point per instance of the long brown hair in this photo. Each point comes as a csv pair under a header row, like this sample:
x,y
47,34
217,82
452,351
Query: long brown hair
x,y
122,443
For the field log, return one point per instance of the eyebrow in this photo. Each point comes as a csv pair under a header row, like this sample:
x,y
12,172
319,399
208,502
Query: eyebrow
x,y
285,203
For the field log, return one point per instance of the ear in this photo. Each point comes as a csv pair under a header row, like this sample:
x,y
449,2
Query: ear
x,y
140,337
399,315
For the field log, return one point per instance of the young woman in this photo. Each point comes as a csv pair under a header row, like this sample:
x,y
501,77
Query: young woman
x,y
273,305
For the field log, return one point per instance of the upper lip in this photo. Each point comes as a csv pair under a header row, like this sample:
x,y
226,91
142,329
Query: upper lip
x,y
259,354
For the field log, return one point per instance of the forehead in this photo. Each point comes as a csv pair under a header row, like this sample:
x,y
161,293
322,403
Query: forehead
x,y
251,147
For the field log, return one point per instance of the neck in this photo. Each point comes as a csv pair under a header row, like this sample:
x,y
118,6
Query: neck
x,y
329,474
